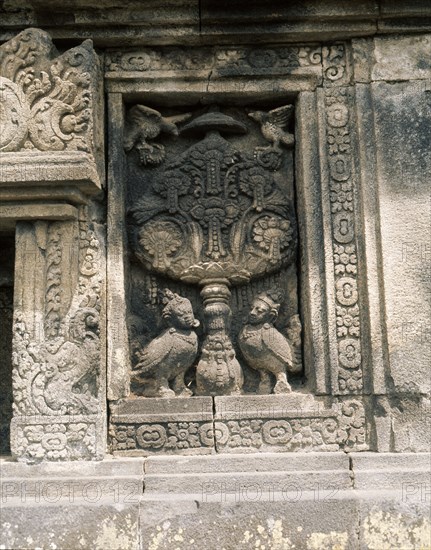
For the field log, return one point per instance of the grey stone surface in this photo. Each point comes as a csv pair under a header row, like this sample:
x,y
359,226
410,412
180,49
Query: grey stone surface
x,y
401,124
133,23
312,501
235,88
251,523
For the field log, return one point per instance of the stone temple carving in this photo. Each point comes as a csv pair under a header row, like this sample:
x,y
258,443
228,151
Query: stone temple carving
x,y
274,125
167,358
265,348
213,215
144,123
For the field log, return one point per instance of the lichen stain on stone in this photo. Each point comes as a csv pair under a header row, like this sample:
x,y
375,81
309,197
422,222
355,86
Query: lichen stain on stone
x,y
327,541
115,538
156,540
268,538
385,531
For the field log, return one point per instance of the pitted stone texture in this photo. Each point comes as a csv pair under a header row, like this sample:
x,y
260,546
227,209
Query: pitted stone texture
x,y
402,132
251,522
71,505
100,525
403,523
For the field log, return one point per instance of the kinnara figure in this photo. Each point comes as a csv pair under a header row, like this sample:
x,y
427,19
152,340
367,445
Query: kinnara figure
x,y
166,359
265,348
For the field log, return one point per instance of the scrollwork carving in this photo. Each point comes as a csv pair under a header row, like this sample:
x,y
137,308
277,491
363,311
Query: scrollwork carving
x,y
46,107
224,60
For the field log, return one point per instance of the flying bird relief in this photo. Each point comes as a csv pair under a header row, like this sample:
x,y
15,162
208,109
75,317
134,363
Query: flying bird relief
x,y
144,124
274,126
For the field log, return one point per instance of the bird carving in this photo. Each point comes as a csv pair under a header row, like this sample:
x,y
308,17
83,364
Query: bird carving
x,y
144,124
274,126
264,348
165,359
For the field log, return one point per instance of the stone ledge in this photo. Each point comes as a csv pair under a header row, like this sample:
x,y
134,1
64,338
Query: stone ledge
x,y
49,211
307,499
185,22
49,170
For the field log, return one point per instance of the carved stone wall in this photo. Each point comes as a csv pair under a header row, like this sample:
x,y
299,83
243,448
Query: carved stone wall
x,y
236,211
50,164
171,182
252,280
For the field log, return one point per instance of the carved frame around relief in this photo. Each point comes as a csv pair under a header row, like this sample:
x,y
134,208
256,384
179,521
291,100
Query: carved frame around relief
x,y
319,78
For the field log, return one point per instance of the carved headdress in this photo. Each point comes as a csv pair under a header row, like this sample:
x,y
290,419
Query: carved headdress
x,y
174,303
271,299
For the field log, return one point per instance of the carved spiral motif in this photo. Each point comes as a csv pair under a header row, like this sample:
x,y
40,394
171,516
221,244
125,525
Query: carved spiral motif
x,y
349,353
14,116
151,436
277,432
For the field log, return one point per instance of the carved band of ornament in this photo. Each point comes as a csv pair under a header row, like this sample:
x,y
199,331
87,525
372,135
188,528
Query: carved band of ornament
x,y
53,282
345,259
228,60
57,438
334,62
59,376
344,429
45,107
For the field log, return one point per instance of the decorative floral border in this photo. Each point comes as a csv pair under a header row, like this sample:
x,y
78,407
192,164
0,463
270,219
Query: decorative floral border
x,y
38,438
338,118
225,60
342,427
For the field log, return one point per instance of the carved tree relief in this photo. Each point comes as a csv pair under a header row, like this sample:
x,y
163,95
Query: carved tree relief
x,y
218,215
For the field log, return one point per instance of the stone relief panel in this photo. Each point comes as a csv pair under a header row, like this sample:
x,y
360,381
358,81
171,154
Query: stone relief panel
x,y
211,213
212,222
57,378
46,98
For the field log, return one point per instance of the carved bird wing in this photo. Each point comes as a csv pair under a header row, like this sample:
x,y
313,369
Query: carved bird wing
x,y
155,352
177,119
281,116
141,123
277,345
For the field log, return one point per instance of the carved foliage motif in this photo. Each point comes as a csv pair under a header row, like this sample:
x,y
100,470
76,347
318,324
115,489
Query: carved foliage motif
x,y
58,438
216,212
59,375
345,257
166,437
224,60
45,105
340,428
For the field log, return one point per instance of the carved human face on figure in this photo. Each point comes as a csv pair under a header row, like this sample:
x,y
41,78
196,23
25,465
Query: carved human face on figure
x,y
261,312
182,317
178,312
